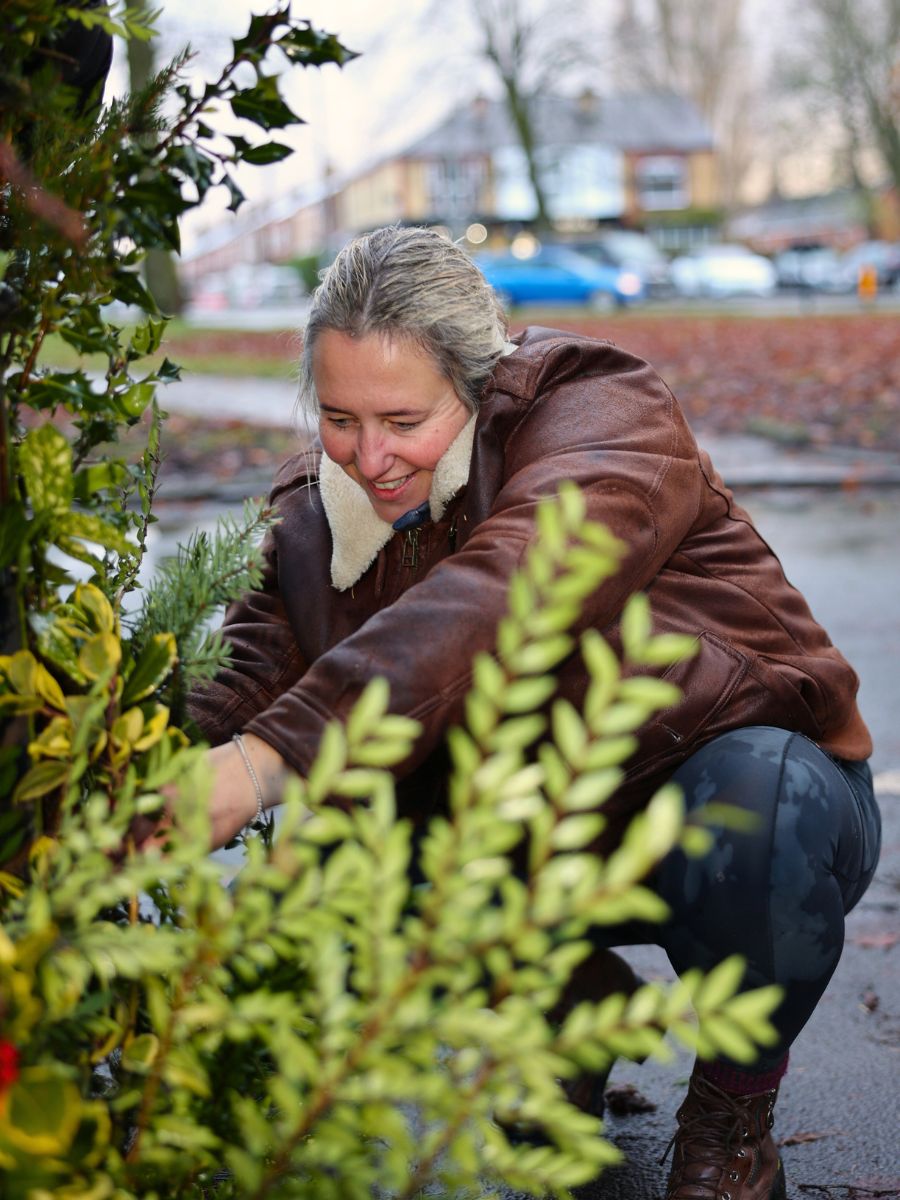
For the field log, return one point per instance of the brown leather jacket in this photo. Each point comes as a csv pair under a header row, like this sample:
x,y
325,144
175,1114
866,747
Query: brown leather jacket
x,y
560,407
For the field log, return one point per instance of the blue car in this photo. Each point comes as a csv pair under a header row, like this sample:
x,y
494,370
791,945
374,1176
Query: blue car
x,y
558,275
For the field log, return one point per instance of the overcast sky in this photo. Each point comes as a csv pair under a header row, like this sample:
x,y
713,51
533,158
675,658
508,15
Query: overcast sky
x,y
355,114
416,64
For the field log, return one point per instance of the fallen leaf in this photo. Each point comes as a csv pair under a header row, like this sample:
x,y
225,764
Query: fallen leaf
x,y
623,1099
876,941
798,1139
851,1191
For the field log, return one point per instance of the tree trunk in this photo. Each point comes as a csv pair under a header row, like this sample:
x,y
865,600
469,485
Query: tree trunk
x,y
520,113
509,42
159,266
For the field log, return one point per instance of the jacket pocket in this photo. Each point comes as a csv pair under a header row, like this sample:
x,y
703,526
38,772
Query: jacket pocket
x,y
708,681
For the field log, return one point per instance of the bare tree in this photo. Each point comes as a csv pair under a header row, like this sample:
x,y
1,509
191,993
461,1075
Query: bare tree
x,y
848,60
533,48
691,46
511,42
696,48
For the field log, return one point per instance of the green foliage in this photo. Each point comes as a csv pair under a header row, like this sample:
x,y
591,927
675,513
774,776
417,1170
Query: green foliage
x,y
679,218
89,196
326,1026
190,589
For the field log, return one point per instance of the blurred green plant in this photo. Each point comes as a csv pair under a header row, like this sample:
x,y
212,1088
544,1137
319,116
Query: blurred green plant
x,y
327,1027
308,267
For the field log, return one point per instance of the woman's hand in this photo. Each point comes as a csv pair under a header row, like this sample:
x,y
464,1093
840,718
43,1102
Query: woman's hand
x,y
232,798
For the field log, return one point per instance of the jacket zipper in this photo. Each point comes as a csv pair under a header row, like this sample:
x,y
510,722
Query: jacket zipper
x,y
411,549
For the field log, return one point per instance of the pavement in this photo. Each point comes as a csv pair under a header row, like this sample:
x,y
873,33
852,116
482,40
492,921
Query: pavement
x,y
833,516
270,402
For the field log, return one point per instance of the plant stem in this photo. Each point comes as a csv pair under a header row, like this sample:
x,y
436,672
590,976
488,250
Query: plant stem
x,y
423,1170
5,437
154,1079
39,336
322,1099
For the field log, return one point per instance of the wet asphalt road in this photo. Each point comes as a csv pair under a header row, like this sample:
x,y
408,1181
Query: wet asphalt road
x,y
838,1116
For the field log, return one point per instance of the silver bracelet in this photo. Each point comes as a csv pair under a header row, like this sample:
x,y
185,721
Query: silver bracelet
x,y
258,815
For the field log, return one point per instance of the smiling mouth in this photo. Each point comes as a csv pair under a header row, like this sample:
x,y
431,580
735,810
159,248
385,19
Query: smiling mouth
x,y
392,485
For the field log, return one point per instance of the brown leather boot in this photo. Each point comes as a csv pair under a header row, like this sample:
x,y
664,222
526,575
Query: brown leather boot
x,y
601,975
723,1147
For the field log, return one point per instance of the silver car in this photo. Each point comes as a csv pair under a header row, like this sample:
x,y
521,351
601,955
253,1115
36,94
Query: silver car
x,y
723,269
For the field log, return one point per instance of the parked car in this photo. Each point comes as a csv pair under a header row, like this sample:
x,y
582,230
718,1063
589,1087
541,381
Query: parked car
x,y
816,268
558,275
210,294
883,256
723,269
631,251
249,286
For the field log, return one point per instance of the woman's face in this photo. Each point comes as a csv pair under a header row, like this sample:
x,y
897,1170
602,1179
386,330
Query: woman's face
x,y
386,416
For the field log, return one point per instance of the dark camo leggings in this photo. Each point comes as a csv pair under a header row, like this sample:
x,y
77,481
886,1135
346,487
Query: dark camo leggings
x,y
778,895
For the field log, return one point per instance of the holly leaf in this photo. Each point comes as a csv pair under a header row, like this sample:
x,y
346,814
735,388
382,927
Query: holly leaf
x,y
268,152
311,48
263,105
154,664
256,42
45,462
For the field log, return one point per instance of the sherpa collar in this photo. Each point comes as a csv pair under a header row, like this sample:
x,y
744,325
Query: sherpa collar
x,y
357,532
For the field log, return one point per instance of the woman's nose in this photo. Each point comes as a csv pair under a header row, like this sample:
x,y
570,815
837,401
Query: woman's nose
x,y
373,454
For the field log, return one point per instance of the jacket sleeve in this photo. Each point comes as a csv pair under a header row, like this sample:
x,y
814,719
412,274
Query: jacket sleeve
x,y
618,434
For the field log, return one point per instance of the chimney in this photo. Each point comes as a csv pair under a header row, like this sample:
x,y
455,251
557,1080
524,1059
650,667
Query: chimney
x,y
588,103
480,106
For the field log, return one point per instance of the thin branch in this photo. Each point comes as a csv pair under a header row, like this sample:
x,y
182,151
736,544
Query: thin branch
x,y
45,206
322,1100
424,1169
33,353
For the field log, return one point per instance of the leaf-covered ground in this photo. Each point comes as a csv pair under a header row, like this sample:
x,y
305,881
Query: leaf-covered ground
x,y
817,380
824,380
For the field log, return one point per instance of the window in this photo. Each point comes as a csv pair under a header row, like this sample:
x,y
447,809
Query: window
x,y
662,182
455,186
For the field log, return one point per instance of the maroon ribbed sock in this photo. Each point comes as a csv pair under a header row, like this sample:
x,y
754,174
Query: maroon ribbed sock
x,y
742,1083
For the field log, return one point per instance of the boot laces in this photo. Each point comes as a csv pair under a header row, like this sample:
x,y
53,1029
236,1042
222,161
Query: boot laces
x,y
712,1134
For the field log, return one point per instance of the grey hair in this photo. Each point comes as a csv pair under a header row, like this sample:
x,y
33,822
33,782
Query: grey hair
x,y
417,285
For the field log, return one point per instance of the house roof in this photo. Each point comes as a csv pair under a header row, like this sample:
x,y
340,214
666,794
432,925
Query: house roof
x,y
252,217
628,121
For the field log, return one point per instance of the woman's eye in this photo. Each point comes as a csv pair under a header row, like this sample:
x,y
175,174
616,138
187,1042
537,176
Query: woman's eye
x,y
339,422
405,426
